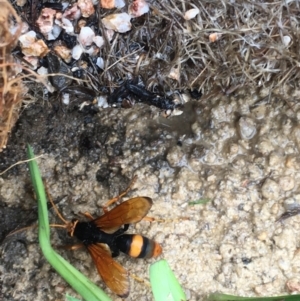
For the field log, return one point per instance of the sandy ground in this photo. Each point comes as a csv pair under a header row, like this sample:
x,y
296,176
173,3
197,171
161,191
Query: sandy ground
x,y
240,152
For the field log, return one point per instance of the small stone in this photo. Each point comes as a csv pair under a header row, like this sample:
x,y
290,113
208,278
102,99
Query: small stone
x,y
233,149
275,159
138,8
63,52
45,22
77,52
262,236
286,183
86,36
107,4
283,264
270,189
286,40
86,7
118,22
21,2
259,112
275,209
99,41
72,13
32,47
293,285
247,127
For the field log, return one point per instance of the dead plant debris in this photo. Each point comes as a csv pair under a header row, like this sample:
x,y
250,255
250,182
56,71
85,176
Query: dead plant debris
x,y
10,84
175,46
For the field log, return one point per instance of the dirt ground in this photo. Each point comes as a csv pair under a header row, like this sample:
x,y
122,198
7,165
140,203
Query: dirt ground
x,y
237,148
240,152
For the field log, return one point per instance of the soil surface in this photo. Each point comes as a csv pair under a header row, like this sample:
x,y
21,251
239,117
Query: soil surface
x,y
238,153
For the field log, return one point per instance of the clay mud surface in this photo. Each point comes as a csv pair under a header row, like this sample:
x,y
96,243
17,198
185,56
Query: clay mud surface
x,y
239,153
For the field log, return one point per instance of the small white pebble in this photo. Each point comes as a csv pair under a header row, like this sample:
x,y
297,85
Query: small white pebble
x,y
65,98
118,22
42,71
99,41
286,40
100,62
86,7
77,52
86,36
270,189
92,51
28,38
66,24
191,13
286,183
102,101
138,8
119,3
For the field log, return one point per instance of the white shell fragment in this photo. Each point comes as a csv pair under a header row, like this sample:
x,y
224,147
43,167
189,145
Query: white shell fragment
x,y
102,101
100,62
86,7
286,40
99,41
27,38
138,8
119,3
64,23
65,98
118,22
109,34
191,13
77,52
86,36
56,30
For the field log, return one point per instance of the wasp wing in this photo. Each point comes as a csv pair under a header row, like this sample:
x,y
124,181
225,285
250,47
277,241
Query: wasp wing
x,y
112,273
128,212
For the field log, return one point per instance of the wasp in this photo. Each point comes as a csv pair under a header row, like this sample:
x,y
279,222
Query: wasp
x,y
104,239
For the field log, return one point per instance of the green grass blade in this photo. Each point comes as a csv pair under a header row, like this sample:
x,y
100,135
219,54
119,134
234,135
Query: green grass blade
x,y
88,290
165,286
224,297
199,202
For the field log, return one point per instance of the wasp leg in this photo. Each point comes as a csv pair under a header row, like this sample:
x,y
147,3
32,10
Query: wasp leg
x,y
52,203
115,199
87,215
148,219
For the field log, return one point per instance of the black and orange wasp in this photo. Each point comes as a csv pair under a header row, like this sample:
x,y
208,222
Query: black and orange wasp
x,y
104,239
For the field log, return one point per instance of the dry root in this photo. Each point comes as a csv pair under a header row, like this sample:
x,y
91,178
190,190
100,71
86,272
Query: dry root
x,y
10,84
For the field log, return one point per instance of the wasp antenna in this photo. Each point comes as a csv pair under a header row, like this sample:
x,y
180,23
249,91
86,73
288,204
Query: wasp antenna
x,y
20,230
58,226
53,205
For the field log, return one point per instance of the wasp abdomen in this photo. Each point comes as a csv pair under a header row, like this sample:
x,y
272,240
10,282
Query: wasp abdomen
x,y
138,246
